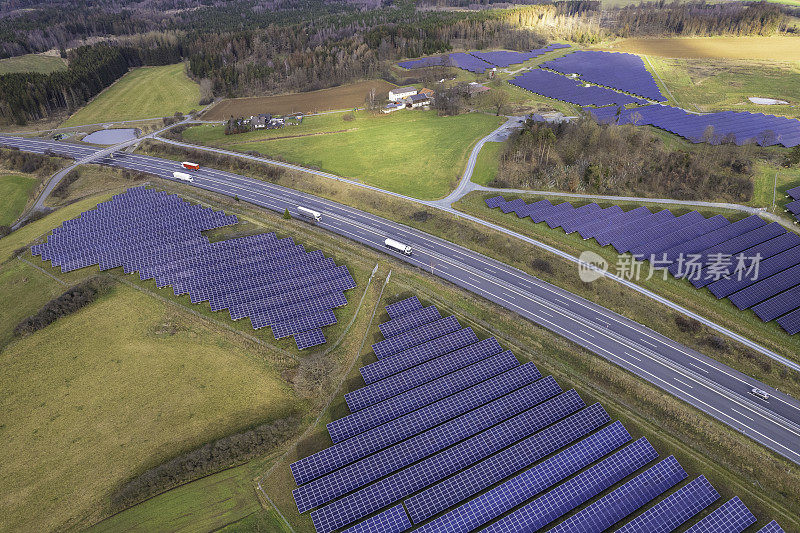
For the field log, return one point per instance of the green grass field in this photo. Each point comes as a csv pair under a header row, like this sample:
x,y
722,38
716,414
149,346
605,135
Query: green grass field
x,y
118,387
15,191
146,92
32,63
486,165
415,153
722,84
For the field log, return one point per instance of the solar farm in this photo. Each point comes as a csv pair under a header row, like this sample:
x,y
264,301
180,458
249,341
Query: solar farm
x,y
558,87
479,62
755,264
739,127
274,282
452,433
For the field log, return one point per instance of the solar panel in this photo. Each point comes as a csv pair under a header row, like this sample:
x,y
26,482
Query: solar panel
x,y
409,321
495,201
419,397
417,355
415,449
590,230
631,242
766,288
714,128
415,376
552,85
678,236
402,307
778,305
626,499
617,232
363,444
500,466
307,339
730,517
621,71
392,520
674,510
577,490
406,340
772,527
577,223
794,193
434,468
557,219
790,322
504,497
793,207
768,267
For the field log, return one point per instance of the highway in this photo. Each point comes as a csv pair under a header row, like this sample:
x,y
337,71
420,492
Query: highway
x,y
714,388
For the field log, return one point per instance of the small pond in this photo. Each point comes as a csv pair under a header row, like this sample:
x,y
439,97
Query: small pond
x,y
111,136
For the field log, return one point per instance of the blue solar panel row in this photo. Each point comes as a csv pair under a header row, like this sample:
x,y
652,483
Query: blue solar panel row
x,y
398,309
748,261
794,193
552,85
488,442
737,127
772,527
417,355
160,236
409,321
625,500
674,510
731,517
624,72
406,340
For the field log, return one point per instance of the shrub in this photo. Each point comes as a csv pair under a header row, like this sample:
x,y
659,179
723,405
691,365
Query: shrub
x,y
686,324
70,301
542,265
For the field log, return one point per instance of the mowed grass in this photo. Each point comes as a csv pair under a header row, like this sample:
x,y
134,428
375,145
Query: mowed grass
x,y
486,166
145,92
114,389
774,48
722,84
15,190
412,152
41,63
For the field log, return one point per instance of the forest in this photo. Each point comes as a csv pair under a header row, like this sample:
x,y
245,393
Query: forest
x,y
255,47
622,160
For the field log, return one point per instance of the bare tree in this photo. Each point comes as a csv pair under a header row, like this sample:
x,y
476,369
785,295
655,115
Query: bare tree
x,y
497,99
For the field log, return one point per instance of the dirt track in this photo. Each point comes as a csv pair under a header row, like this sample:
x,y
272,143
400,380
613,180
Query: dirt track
x,y
342,97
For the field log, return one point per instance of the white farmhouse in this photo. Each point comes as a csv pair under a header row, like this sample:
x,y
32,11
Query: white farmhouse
x,y
401,93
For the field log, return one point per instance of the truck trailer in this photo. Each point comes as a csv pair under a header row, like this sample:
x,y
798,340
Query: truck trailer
x,y
188,165
183,176
309,213
398,246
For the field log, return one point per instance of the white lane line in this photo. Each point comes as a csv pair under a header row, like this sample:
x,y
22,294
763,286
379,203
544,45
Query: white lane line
x,y
742,414
683,383
632,356
649,343
701,369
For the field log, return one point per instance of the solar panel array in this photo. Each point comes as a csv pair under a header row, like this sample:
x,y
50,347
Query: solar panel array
x,y
754,264
793,207
739,127
452,433
480,61
624,72
274,282
552,85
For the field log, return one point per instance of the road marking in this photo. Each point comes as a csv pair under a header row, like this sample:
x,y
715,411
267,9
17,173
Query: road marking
x,y
683,383
742,414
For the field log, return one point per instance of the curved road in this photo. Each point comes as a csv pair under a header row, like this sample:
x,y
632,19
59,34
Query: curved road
x,y
697,379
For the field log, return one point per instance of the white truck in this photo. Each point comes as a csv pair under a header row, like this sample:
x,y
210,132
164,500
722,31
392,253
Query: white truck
x,y
398,246
309,213
183,176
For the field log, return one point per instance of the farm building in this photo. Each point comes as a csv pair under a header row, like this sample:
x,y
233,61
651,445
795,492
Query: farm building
x,y
260,121
427,92
401,93
391,107
417,100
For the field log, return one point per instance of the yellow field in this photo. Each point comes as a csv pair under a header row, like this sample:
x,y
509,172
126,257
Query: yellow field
x,y
777,48
118,387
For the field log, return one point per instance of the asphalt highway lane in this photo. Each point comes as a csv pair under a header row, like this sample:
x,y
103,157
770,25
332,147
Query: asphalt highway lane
x,y
699,380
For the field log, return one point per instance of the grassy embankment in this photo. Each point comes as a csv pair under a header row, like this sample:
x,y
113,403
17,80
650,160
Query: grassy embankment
x,y
733,463
412,152
15,191
41,63
146,92
134,379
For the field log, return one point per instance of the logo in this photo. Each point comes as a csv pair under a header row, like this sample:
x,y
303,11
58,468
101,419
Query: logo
x,y
591,267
